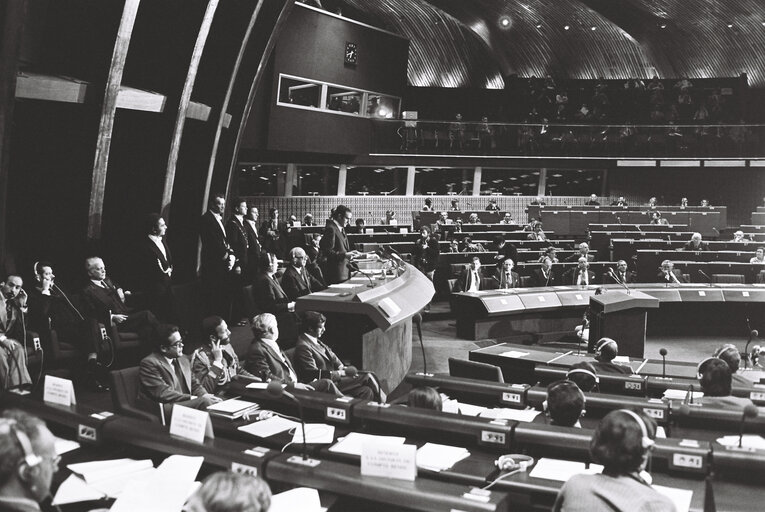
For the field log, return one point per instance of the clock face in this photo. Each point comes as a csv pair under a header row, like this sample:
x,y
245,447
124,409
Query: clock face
x,y
351,53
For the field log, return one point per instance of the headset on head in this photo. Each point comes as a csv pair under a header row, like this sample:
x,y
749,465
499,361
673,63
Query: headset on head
x,y
702,363
30,458
725,348
645,441
602,342
566,383
584,371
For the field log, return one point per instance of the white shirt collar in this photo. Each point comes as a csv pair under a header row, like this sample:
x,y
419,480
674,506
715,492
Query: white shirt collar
x,y
314,339
240,217
218,216
272,344
98,282
156,239
169,360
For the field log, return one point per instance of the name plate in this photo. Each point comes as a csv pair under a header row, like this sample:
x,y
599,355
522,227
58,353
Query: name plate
x,y
59,391
389,460
190,423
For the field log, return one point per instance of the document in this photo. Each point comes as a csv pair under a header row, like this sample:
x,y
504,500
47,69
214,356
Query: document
x,y
74,490
351,444
316,433
747,441
167,491
232,405
269,427
470,409
562,470
257,385
515,354
105,469
679,394
299,498
343,286
440,457
65,445
324,294
510,414
680,497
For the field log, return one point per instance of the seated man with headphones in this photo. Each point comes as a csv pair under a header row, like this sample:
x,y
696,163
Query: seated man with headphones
x,y
622,443
583,374
715,379
730,354
564,405
606,350
28,461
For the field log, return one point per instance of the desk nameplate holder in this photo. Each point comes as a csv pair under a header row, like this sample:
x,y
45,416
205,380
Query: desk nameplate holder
x,y
258,454
90,432
340,410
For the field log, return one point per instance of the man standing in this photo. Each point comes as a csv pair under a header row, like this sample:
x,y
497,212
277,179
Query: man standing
x,y
166,377
217,259
215,363
253,242
334,248
236,235
155,264
13,357
296,280
273,233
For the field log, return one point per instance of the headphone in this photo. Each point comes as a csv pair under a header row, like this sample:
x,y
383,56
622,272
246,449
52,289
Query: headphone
x,y
566,384
645,441
702,363
720,351
30,458
584,371
514,462
37,270
602,342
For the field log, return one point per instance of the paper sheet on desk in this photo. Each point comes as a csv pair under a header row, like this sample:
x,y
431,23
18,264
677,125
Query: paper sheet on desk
x,y
680,497
747,441
74,490
440,457
342,286
103,470
679,394
562,470
324,294
300,498
316,433
514,354
65,445
166,491
257,385
351,444
510,414
269,427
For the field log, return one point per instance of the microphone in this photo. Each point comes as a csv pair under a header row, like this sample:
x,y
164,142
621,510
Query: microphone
x,y
619,220
355,270
663,353
417,321
618,280
751,412
753,333
276,389
709,279
689,395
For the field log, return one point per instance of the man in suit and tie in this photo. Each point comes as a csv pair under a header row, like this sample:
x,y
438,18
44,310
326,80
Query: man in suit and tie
x,y
270,297
266,360
215,363
315,360
506,277
253,242
273,233
334,249
581,275
696,244
544,276
13,357
584,252
669,274
217,259
106,303
470,279
624,275
165,375
297,281
236,235
155,267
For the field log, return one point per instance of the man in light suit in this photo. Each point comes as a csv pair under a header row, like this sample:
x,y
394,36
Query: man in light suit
x,y
215,363
335,252
266,360
315,360
296,280
155,267
165,374
217,259
13,358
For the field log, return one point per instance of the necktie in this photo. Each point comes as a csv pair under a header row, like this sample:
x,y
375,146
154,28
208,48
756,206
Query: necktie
x,y
8,312
103,284
179,375
306,279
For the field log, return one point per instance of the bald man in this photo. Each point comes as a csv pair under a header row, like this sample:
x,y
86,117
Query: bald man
x,y
297,281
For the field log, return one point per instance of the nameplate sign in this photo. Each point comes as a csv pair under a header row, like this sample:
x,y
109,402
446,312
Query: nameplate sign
x,y
389,460
59,391
189,423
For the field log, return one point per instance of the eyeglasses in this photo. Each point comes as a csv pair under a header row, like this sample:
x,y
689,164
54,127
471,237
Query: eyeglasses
x,y
176,344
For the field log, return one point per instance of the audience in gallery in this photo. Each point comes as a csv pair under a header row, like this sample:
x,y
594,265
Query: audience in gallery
x,y
564,405
455,206
606,350
428,206
227,491
715,378
593,201
507,219
619,202
215,363
656,218
584,252
424,397
622,443
492,206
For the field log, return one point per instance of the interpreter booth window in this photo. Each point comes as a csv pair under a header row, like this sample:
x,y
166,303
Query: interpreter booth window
x,y
304,93
260,180
382,107
436,181
508,182
316,180
376,181
344,100
574,182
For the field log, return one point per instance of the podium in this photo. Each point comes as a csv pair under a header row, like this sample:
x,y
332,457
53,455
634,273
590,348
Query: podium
x,y
372,326
622,317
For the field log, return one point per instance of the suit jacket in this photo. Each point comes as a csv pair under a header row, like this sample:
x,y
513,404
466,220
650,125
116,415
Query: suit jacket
x,y
333,248
602,492
507,251
629,277
273,240
253,248
215,248
153,265
572,276
661,278
514,279
466,278
426,259
10,326
211,376
269,295
703,246
602,368
263,362
575,257
538,278
238,241
295,285
102,300
160,384
311,362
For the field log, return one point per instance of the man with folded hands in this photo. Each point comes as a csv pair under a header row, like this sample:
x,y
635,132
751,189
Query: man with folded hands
x,y
215,363
315,360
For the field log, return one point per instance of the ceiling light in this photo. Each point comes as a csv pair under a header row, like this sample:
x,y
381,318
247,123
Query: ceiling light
x,y
730,25
566,27
593,28
505,22
539,25
662,26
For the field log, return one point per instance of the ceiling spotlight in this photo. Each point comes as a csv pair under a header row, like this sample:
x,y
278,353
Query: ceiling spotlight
x,y
730,25
662,26
566,27
593,28
539,25
505,22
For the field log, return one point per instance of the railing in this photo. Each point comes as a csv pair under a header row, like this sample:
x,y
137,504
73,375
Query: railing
x,y
568,140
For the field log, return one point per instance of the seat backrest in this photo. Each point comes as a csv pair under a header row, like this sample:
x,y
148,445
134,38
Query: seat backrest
x,y
290,353
125,386
474,370
728,278
525,281
452,285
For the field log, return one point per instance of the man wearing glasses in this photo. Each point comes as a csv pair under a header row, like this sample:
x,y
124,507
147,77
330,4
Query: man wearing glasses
x,y
166,376
297,281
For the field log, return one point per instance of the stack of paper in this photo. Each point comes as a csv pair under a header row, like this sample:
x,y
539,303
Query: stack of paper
x,y
269,427
440,457
351,444
101,479
299,498
562,470
747,441
679,394
680,497
510,414
316,433
167,491
232,409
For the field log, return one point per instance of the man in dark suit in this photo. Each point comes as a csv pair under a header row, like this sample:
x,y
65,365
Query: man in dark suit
x,y
606,350
270,297
696,244
296,280
253,242
619,202
217,260
470,278
155,268
581,275
504,250
584,252
266,360
624,275
236,235
544,276
669,274
106,303
334,249
273,233
506,278
13,357
315,360
165,375
426,252
593,201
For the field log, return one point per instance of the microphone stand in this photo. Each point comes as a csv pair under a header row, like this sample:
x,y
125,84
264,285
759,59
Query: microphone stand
x,y
619,281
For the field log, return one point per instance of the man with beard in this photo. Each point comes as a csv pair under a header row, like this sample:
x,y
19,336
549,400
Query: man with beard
x,y
215,363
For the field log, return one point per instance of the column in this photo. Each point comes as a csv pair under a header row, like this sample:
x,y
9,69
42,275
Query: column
x,y
342,176
410,181
290,180
477,181
542,186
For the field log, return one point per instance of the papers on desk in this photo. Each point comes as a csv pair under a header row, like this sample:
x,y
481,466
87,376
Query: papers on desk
x,y
316,433
502,413
679,394
352,443
324,294
232,408
75,490
257,385
622,360
562,470
269,427
440,457
167,491
65,445
300,498
515,354
680,497
747,441
104,470
343,286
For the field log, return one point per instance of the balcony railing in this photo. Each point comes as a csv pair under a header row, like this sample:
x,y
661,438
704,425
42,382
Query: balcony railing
x,y
568,140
